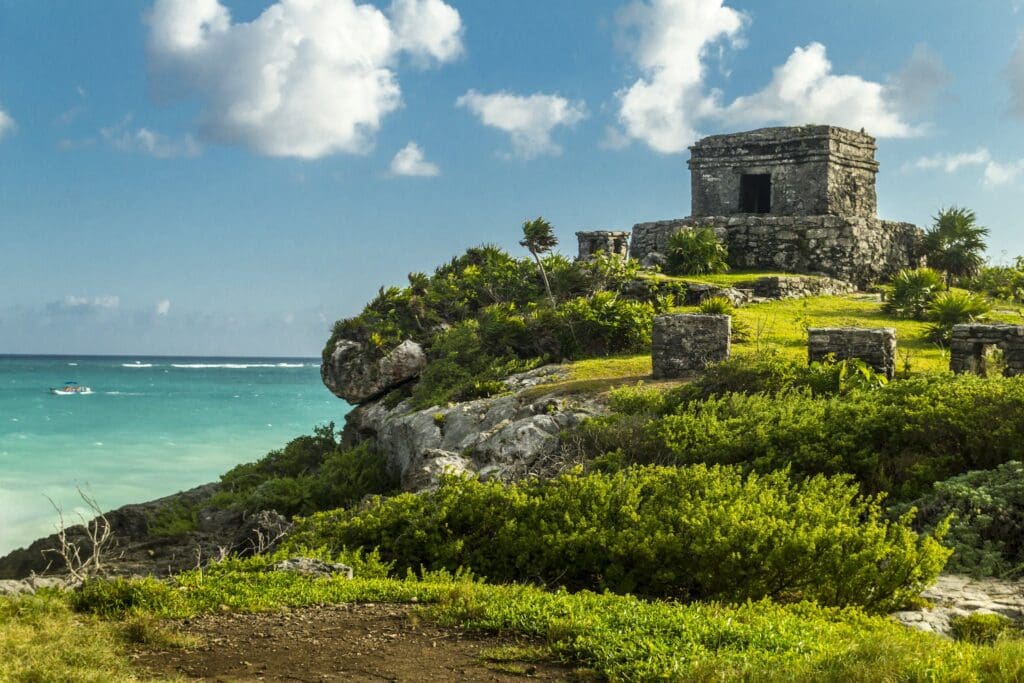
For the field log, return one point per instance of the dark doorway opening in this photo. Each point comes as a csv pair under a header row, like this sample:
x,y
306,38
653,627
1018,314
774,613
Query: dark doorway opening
x,y
755,193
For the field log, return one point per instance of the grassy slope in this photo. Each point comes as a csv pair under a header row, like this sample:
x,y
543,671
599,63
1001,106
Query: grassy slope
x,y
622,637
781,326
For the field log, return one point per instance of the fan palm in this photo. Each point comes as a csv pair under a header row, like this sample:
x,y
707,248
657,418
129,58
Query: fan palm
x,y
955,243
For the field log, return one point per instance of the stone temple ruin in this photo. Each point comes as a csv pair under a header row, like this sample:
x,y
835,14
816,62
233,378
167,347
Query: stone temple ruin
x,y
794,199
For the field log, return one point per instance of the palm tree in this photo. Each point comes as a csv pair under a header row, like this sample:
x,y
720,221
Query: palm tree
x,y
955,243
539,238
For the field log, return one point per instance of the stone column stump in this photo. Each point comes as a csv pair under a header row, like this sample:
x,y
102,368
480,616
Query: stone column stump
x,y
611,242
682,344
969,342
876,347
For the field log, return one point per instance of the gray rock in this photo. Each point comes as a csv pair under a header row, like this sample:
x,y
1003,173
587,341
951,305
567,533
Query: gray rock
x,y
954,595
654,258
504,437
315,568
424,473
355,375
260,532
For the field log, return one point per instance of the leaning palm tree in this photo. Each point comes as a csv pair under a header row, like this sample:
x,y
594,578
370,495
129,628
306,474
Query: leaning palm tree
x,y
955,243
539,238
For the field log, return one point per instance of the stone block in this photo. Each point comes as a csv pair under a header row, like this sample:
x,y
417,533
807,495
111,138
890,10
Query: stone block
x,y
876,347
682,344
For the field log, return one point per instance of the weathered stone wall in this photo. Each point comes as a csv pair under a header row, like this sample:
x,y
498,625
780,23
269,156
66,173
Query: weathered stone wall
x,y
609,241
858,250
815,170
876,347
682,344
967,348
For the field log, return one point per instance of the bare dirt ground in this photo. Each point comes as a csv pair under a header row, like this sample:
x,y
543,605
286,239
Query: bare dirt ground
x,y
371,642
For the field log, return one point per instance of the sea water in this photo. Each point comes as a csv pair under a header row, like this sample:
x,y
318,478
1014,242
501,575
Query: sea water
x,y
151,427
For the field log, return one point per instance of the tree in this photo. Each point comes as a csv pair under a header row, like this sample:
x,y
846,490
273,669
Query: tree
x,y
539,238
955,243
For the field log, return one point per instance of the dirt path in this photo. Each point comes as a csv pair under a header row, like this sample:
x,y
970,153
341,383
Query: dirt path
x,y
372,642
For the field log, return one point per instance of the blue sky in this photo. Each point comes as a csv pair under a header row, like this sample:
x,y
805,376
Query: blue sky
x,y
203,177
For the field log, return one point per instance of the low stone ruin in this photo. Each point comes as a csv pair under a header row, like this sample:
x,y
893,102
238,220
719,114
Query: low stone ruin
x,y
682,344
609,241
970,343
876,347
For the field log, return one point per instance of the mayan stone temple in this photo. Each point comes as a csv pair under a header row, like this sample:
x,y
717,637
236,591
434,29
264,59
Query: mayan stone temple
x,y
795,199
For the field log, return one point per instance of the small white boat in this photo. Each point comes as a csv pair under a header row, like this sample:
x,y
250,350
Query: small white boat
x,y
70,389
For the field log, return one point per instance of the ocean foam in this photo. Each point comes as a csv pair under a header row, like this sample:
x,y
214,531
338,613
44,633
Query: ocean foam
x,y
234,366
136,364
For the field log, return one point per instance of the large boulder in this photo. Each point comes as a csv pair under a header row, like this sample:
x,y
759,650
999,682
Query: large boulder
x,y
506,437
355,375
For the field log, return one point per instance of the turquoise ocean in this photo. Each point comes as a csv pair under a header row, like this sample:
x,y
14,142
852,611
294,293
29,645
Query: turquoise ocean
x,y
151,427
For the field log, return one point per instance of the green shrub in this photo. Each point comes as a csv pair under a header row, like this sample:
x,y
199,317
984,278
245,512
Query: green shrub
x,y
987,528
311,473
954,308
981,628
899,438
691,533
696,251
173,519
715,305
911,291
999,282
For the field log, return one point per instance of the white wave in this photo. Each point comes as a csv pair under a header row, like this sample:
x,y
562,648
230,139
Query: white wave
x,y
136,364
73,364
123,393
233,366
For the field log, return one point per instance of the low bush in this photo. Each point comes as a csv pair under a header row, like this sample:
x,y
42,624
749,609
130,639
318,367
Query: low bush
x,y
954,308
898,438
981,628
311,473
999,282
911,291
987,528
696,251
691,533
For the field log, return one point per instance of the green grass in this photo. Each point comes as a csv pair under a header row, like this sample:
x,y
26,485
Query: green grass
x,y
782,325
729,279
620,637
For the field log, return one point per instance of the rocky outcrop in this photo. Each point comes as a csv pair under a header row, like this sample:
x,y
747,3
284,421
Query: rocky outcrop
x,y
954,595
504,437
353,373
134,551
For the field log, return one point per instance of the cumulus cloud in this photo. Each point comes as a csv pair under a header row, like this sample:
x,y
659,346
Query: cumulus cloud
x,y
672,42
306,78
804,90
1015,78
6,124
410,162
145,141
163,307
950,163
529,119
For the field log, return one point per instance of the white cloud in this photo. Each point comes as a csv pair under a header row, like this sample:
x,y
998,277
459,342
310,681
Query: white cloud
x,y
950,163
410,162
306,78
143,140
529,119
6,124
804,90
672,41
1015,78
998,173
83,304
163,307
